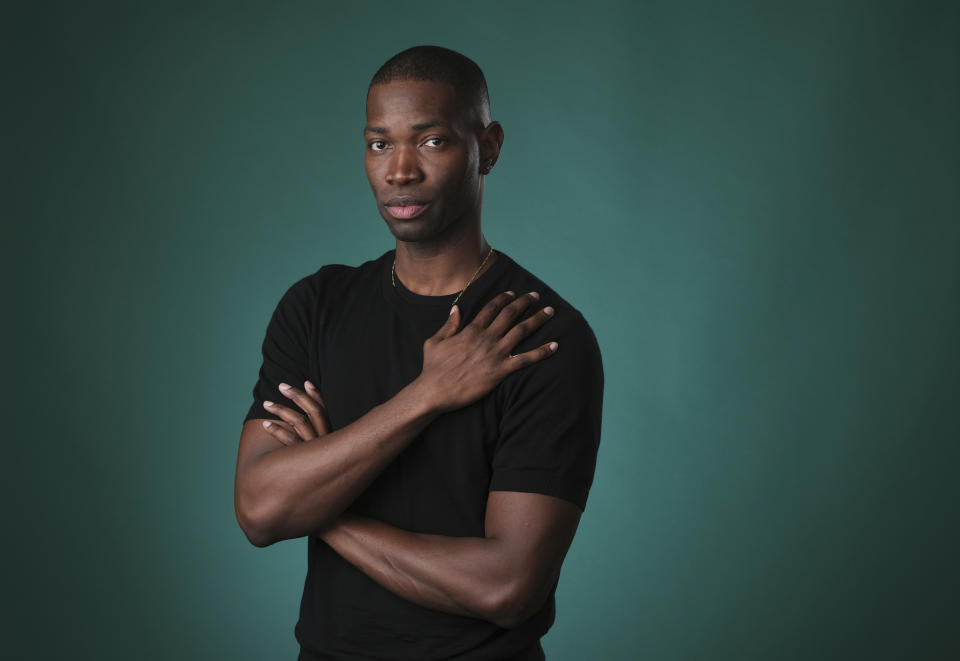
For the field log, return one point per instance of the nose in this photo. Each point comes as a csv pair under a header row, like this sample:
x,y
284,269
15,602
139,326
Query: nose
x,y
404,166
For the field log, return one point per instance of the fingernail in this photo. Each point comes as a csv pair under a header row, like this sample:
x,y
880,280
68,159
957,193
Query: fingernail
x,y
452,309
548,310
309,385
535,294
267,423
511,293
284,387
553,346
268,403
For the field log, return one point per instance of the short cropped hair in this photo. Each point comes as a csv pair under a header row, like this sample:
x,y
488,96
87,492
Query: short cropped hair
x,y
438,64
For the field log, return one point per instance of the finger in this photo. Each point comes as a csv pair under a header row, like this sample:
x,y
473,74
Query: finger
x,y
525,328
281,431
450,326
492,309
315,411
533,356
324,416
300,423
292,419
312,391
510,314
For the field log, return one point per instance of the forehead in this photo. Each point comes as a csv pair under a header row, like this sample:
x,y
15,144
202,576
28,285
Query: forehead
x,y
402,102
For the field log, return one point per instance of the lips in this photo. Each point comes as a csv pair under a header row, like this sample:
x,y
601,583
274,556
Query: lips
x,y
405,207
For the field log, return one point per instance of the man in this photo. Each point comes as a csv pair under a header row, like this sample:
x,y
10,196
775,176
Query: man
x,y
429,419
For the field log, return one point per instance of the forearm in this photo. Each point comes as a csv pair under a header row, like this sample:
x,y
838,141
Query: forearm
x,y
298,489
468,576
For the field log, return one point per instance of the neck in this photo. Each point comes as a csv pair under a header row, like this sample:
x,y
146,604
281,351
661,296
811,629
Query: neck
x,y
431,269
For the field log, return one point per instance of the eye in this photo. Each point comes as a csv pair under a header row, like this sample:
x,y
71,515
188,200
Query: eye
x,y
373,145
440,140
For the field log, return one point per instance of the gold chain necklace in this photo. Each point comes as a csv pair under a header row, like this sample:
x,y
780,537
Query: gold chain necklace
x,y
393,273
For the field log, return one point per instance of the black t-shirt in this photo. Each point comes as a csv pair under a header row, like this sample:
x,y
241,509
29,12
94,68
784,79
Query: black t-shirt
x,y
359,339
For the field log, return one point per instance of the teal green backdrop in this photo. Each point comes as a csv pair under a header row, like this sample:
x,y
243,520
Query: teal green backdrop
x,y
755,205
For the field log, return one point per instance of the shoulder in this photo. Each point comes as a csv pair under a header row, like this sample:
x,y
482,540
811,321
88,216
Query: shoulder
x,y
523,280
577,358
567,322
330,281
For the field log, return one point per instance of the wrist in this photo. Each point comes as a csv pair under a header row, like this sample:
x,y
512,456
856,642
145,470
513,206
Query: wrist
x,y
422,398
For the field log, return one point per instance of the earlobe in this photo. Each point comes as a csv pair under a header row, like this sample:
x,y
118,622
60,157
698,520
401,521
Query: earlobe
x,y
493,138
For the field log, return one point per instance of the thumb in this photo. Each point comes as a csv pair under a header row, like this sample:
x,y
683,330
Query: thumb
x,y
450,325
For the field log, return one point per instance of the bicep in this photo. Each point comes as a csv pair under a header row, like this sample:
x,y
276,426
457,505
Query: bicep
x,y
255,442
534,530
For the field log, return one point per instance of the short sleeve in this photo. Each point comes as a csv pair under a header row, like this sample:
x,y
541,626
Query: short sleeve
x,y
286,355
549,429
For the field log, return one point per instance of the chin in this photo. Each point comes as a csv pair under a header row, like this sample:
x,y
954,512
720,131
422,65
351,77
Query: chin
x,y
415,231
410,233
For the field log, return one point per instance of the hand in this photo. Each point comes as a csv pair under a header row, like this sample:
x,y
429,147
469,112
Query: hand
x,y
295,427
461,367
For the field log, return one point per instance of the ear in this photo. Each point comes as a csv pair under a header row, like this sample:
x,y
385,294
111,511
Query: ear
x,y
490,141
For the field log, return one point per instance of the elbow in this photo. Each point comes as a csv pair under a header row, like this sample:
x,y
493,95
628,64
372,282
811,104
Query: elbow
x,y
514,604
257,536
254,523
264,523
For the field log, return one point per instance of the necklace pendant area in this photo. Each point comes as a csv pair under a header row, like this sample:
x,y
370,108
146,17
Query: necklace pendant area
x,y
393,274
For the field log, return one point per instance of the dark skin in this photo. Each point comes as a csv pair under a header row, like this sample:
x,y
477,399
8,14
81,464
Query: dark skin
x,y
296,477
421,144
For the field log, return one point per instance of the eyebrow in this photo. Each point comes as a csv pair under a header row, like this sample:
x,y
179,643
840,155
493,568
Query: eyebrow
x,y
413,127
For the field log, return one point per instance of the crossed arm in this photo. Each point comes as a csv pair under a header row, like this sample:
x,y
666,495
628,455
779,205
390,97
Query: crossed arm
x,y
296,477
503,577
